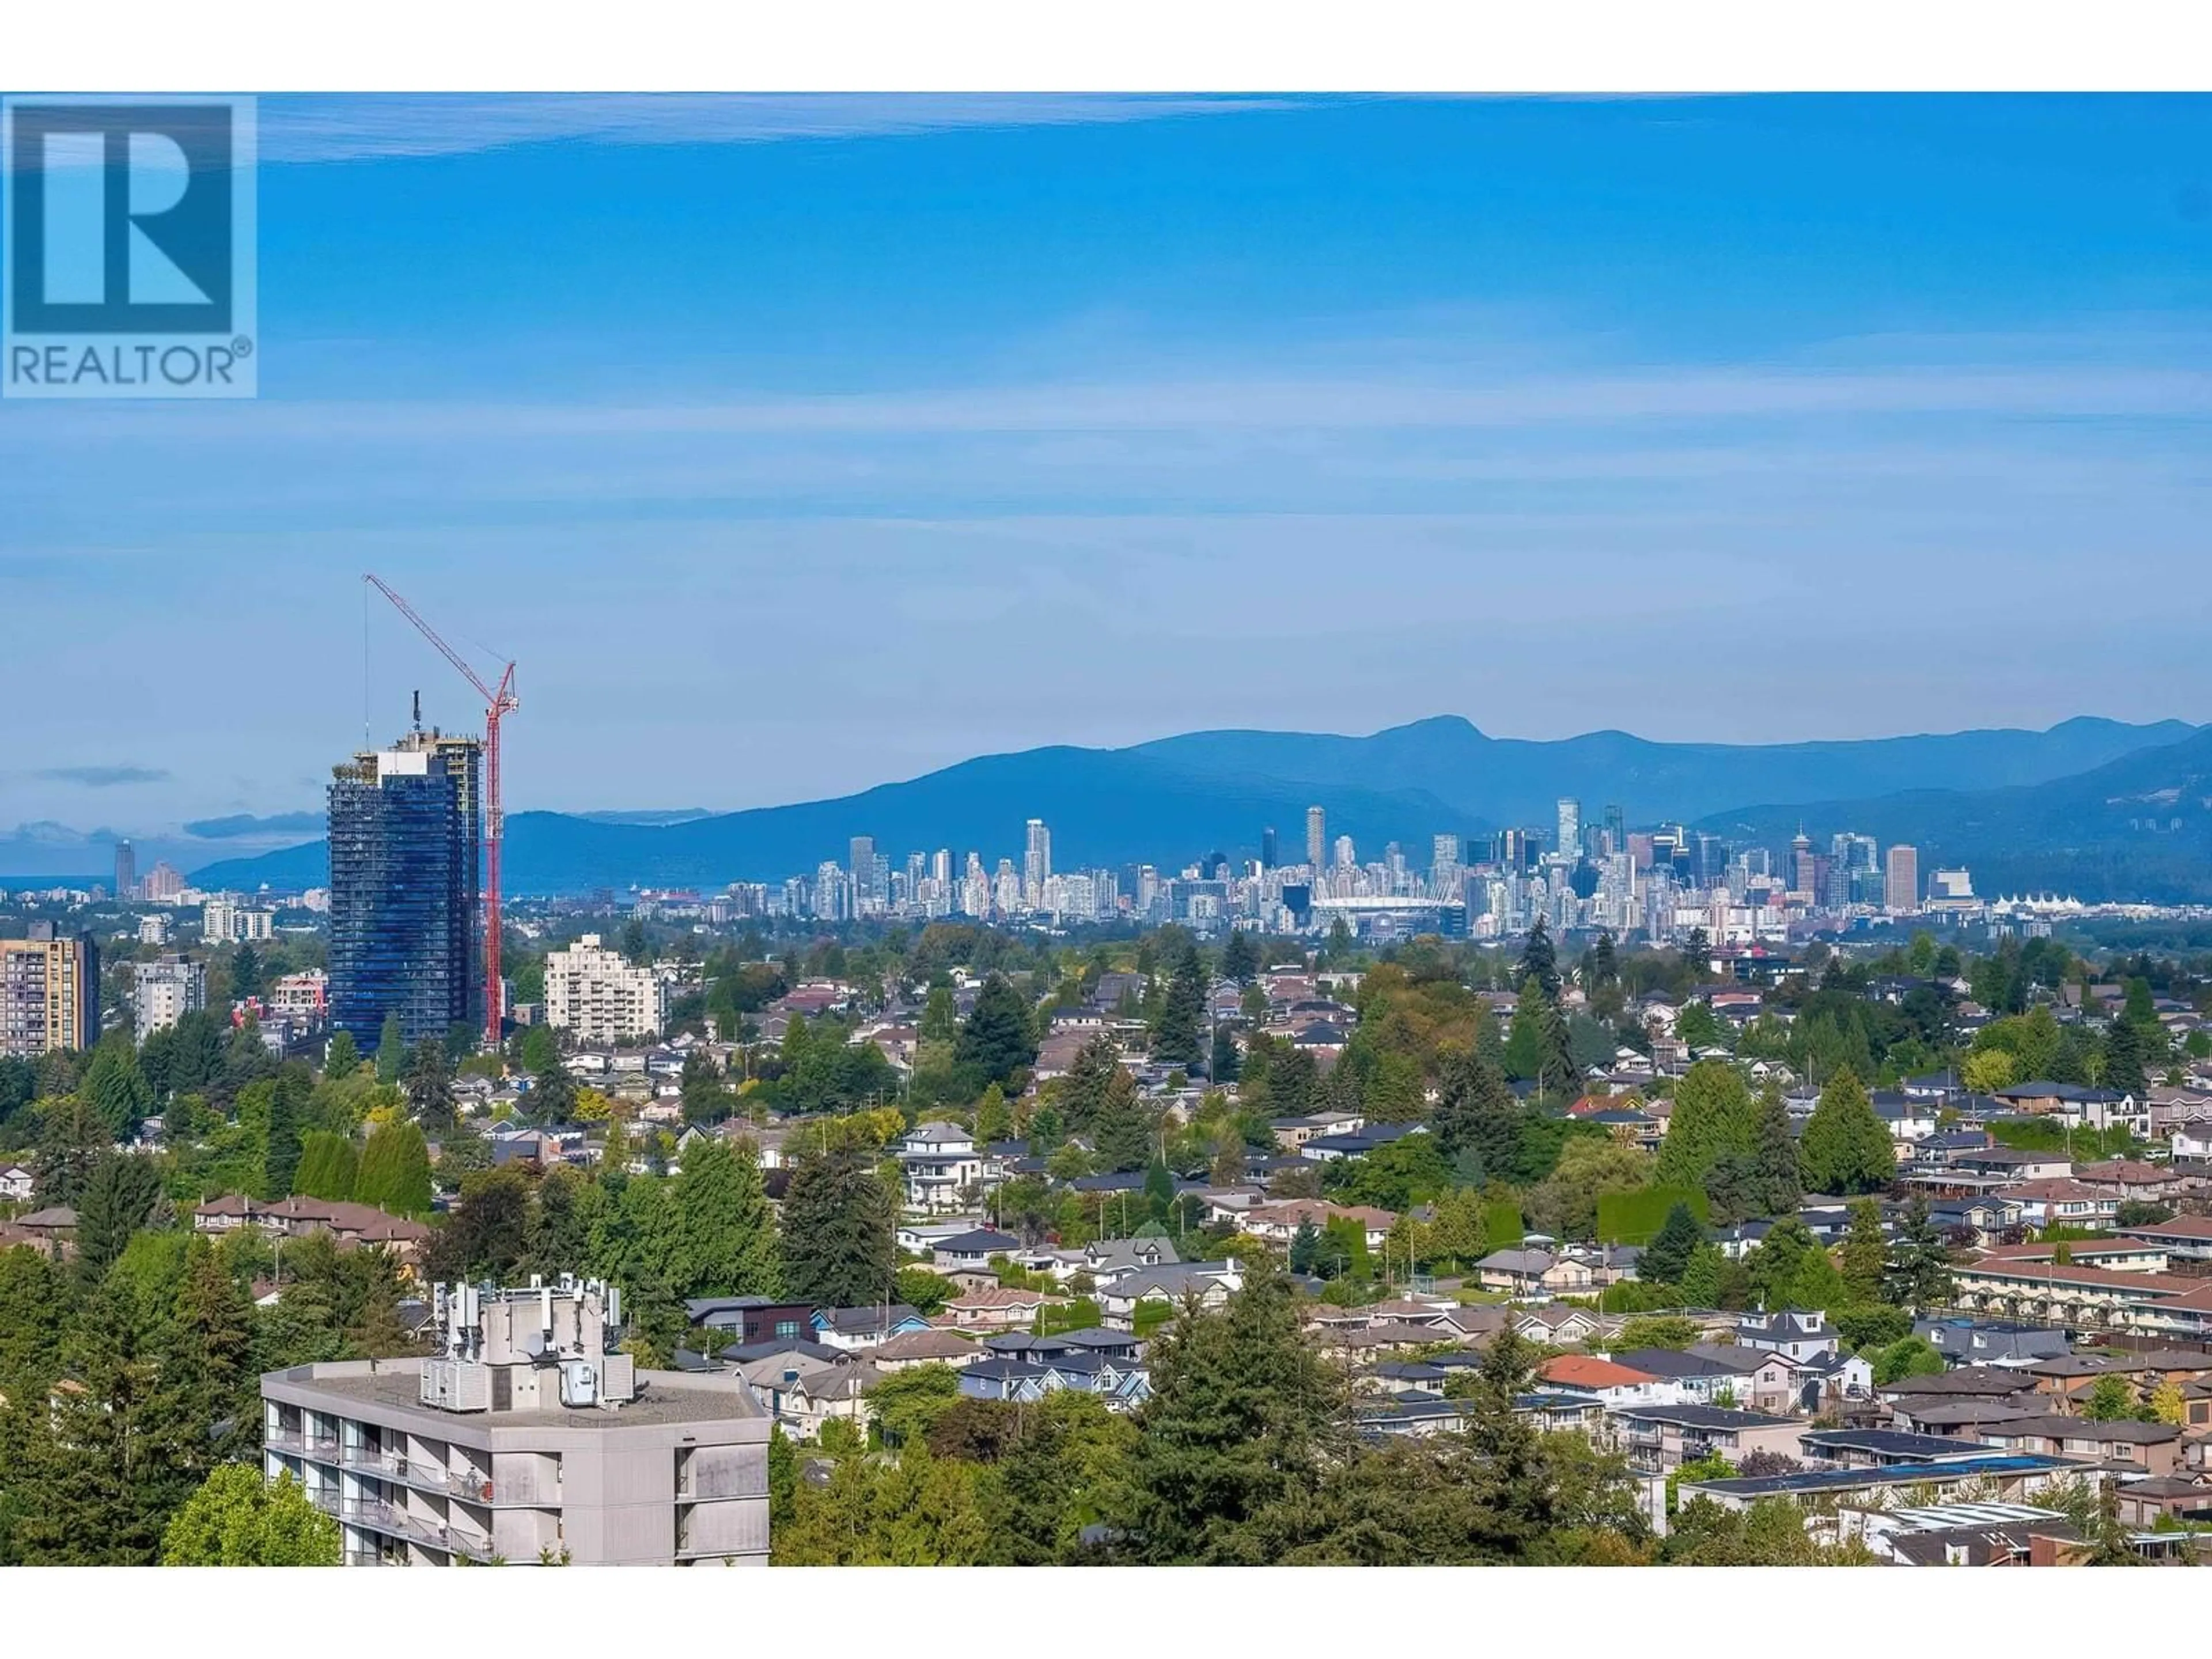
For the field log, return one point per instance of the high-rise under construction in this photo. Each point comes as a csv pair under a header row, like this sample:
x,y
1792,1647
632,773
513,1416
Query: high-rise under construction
x,y
405,825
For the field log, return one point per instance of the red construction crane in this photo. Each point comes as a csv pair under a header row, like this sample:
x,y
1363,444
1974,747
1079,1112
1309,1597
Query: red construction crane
x,y
498,704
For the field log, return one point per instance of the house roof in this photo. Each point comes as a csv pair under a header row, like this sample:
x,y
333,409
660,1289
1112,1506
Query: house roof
x,y
861,1322
1701,1417
1518,1261
983,1240
932,1344
1582,1370
996,1295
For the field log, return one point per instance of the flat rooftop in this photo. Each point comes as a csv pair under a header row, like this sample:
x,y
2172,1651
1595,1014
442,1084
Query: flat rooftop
x,y
662,1399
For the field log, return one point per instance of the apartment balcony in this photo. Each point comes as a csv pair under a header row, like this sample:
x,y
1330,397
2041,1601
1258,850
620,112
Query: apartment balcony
x,y
375,1516
425,1476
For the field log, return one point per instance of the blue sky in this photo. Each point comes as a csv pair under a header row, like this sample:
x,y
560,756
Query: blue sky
x,y
792,445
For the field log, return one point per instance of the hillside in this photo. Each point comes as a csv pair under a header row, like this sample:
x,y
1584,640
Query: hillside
x,y
1171,800
2139,827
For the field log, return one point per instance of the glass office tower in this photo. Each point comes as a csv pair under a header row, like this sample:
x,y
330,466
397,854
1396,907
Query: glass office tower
x,y
405,826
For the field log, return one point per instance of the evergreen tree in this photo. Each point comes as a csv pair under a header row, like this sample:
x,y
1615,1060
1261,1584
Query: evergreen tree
x,y
1865,1253
1124,1130
1178,1032
2126,1051
246,976
1238,1422
999,1038
1846,1149
118,1201
1712,1121
1222,1066
328,1165
725,1230
34,1314
1539,961
1240,957
1477,1117
1305,1249
116,1089
342,1058
395,1171
101,1484
431,1083
940,1016
995,1120
1536,1046
1733,1188
391,1048
1919,1270
72,1140
209,1403
1667,1257
290,1090
1090,1084
1774,1154
838,1251
1701,1278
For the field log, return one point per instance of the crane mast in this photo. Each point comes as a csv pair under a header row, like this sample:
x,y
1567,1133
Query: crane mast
x,y
499,702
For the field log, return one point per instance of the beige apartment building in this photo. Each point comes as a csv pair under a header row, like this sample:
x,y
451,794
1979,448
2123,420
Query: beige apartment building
x,y
599,997
49,992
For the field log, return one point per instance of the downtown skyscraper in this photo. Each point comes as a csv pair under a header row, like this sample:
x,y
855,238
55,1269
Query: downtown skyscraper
x,y
405,828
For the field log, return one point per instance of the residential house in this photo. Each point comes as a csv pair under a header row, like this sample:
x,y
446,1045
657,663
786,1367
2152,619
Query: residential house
x,y
972,1251
1124,1384
1279,1222
1723,1374
1964,1341
2128,1180
751,1319
1292,1132
1559,1325
940,1167
994,1308
930,1347
1798,1335
1107,1260
855,1328
1616,1385
1211,1282
350,1225
1659,1439
2064,1203
1536,1274
2153,1448
16,1184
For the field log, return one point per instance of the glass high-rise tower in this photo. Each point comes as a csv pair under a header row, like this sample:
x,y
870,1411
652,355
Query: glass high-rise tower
x,y
405,828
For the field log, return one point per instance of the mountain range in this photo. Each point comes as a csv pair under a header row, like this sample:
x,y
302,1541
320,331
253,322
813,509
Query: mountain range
x,y
2066,807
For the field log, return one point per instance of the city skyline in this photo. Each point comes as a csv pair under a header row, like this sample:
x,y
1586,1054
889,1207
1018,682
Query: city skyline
x,y
1742,368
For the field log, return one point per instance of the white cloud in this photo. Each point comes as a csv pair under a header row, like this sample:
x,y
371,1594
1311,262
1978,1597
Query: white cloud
x,y
307,129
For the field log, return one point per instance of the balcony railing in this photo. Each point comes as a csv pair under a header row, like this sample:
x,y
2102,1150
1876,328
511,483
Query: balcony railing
x,y
387,1518
474,1487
